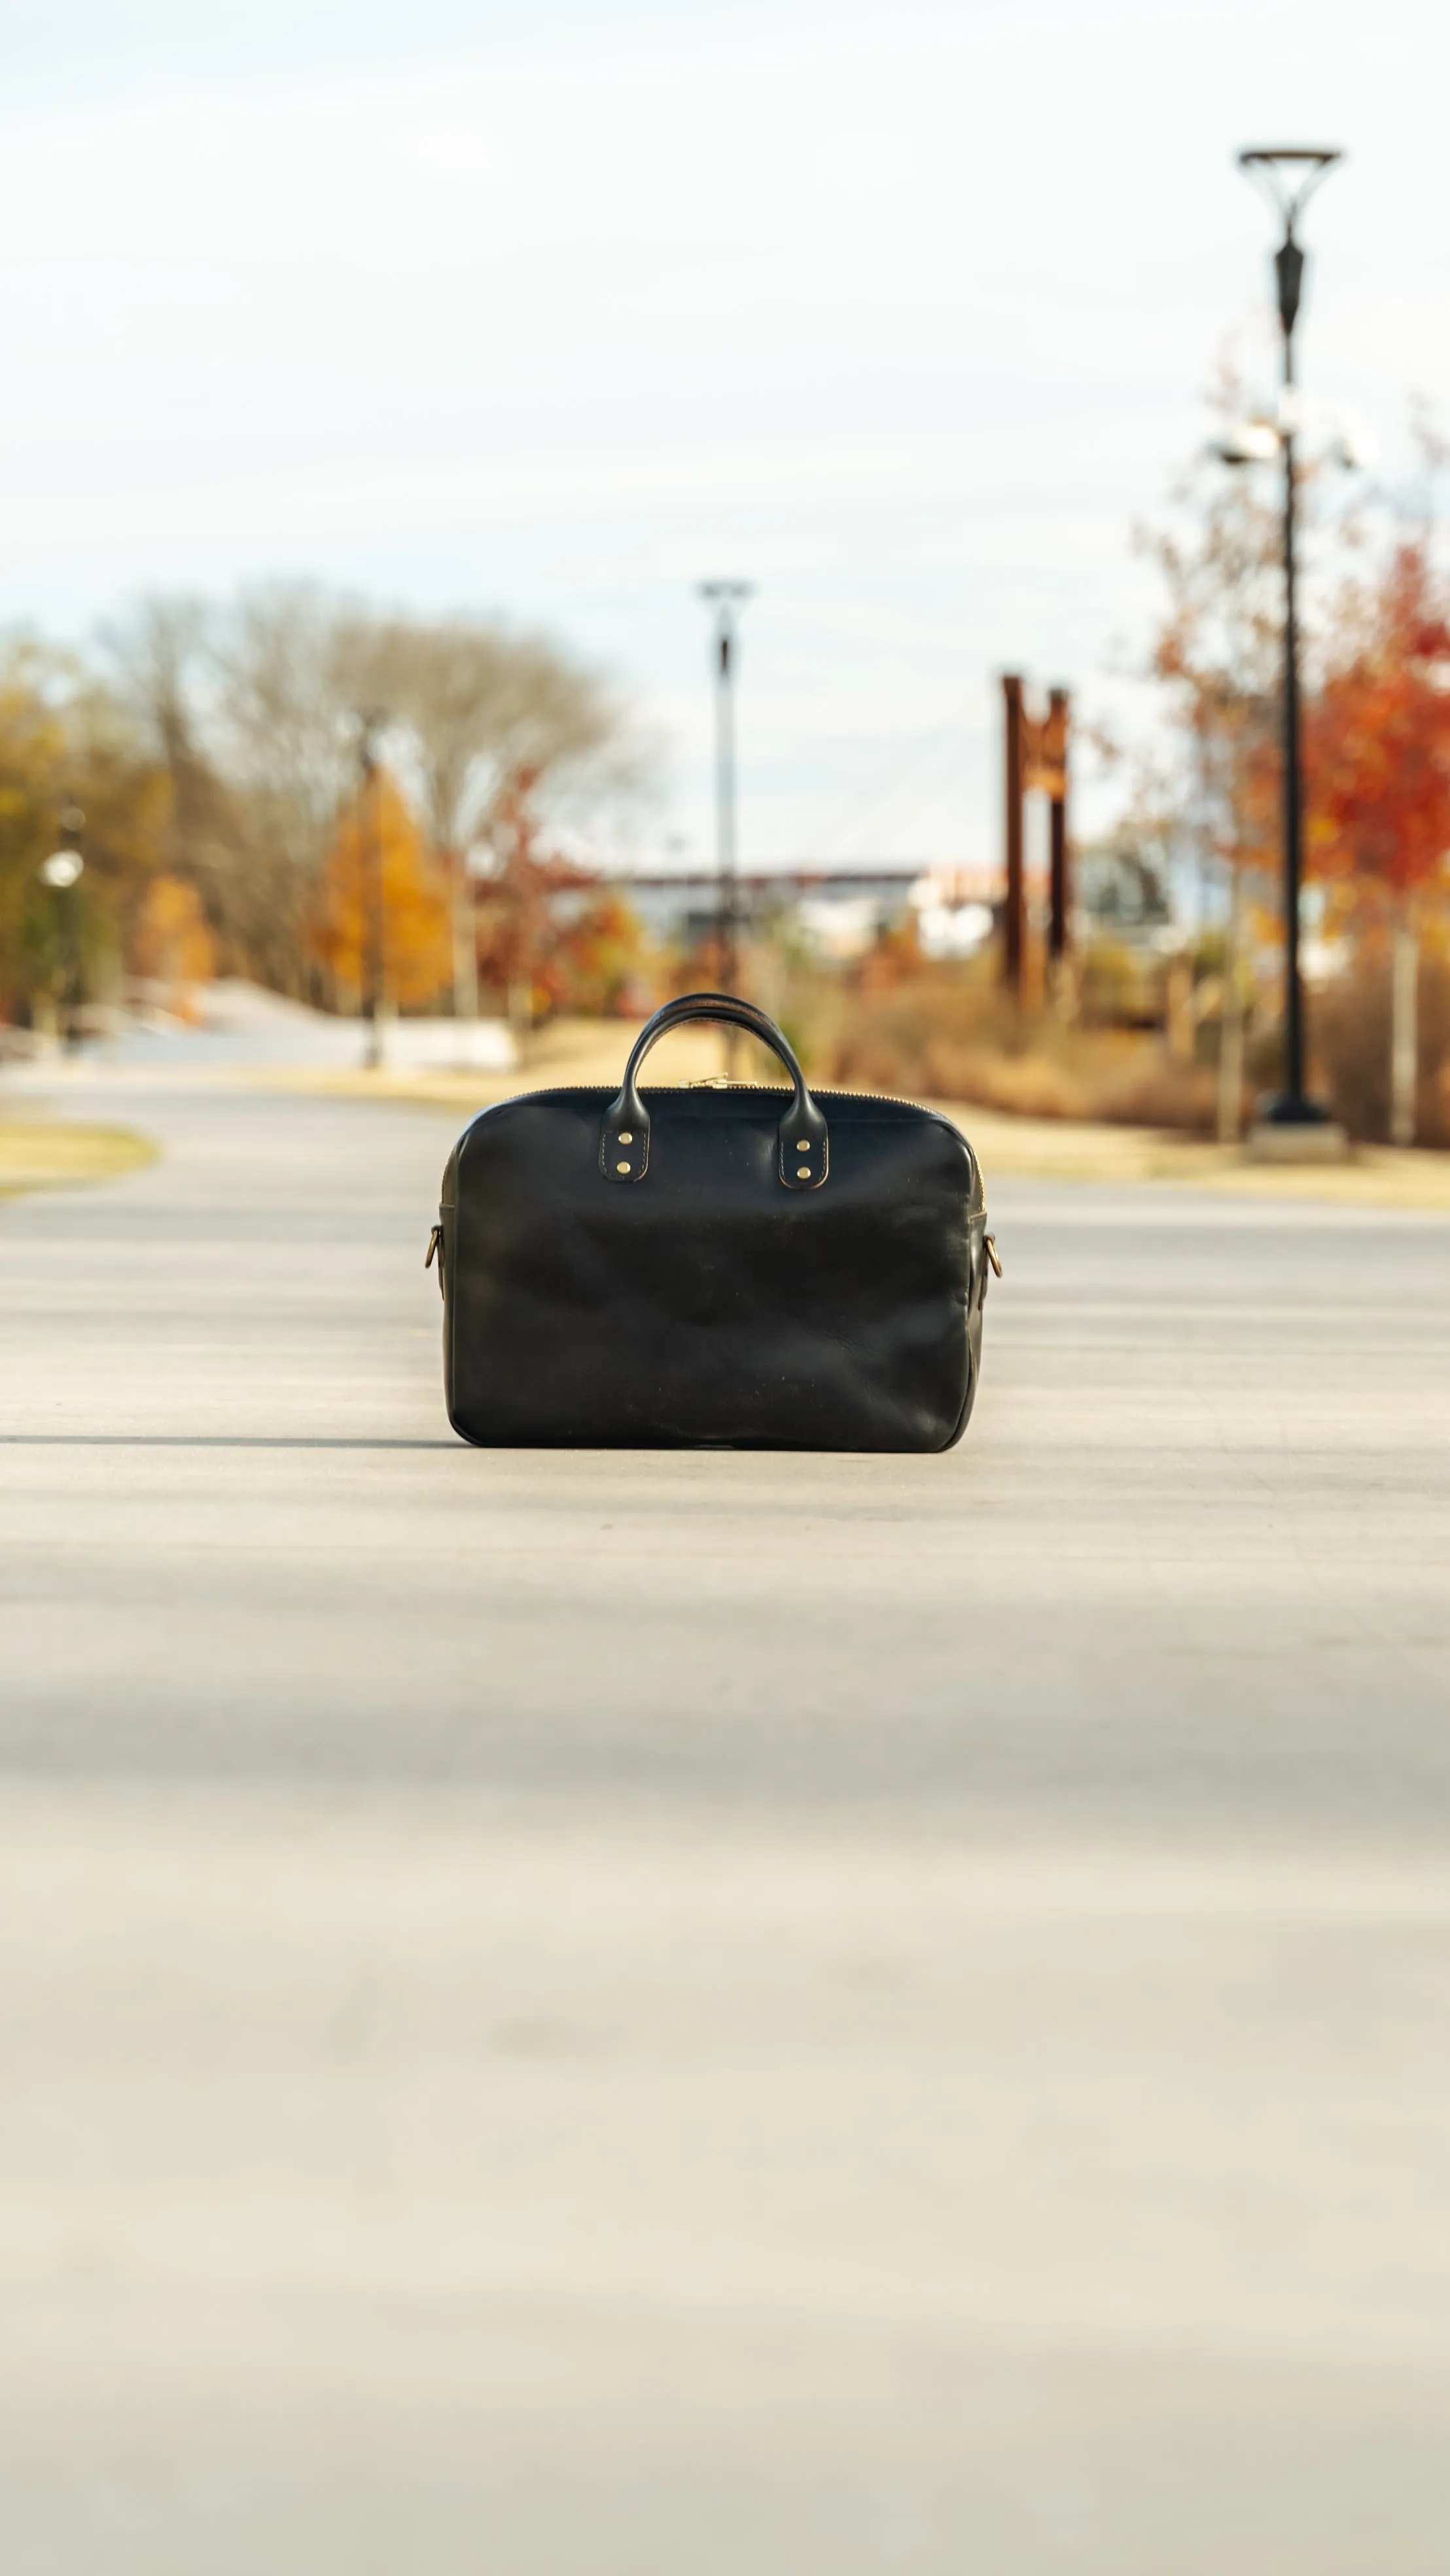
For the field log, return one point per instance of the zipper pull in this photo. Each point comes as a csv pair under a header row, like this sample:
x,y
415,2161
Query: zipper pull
x,y
436,1247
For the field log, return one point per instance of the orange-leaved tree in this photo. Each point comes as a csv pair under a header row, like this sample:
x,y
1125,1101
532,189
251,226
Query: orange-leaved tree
x,y
66,742
381,921
1379,771
171,940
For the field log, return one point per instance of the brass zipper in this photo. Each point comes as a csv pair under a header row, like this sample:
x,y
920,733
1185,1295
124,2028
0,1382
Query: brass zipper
x,y
720,1082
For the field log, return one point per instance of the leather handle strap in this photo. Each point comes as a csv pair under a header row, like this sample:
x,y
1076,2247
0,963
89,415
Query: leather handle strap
x,y
713,1006
803,1141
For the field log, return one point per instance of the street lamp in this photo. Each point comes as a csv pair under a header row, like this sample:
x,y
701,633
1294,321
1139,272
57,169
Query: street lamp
x,y
370,854
725,597
1288,175
63,871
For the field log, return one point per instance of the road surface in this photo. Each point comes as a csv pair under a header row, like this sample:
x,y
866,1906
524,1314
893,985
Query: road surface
x,y
596,2015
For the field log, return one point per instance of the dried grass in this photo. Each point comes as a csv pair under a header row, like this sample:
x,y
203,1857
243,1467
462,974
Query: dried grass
x,y
950,1033
1350,1027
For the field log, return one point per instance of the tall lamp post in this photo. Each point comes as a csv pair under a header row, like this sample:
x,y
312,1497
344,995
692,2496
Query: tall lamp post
x,y
1289,175
371,906
726,598
63,871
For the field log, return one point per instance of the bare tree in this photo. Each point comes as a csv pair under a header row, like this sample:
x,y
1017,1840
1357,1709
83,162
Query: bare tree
x,y
256,711
239,707
159,663
483,707
286,742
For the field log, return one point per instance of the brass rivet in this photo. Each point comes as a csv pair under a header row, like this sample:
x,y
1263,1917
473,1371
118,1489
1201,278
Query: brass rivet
x,y
621,1167
628,1136
804,1174
804,1146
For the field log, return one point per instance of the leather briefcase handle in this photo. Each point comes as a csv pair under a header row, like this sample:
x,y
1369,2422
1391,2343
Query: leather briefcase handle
x,y
803,1149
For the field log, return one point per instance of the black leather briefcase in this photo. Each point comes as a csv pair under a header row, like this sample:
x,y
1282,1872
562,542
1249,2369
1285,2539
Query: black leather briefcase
x,y
737,1267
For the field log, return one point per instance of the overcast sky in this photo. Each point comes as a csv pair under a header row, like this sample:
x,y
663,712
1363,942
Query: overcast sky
x,y
546,308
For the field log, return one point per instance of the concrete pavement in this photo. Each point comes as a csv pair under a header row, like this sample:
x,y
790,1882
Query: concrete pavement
x,y
704,2014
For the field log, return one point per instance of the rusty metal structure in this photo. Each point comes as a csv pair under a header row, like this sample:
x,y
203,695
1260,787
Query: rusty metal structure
x,y
1036,756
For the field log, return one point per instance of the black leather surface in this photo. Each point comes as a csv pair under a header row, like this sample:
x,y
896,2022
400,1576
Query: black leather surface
x,y
710,1302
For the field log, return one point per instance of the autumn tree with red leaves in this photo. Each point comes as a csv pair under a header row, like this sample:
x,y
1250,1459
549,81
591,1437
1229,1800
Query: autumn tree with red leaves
x,y
1377,721
550,935
1379,736
1212,776
1378,763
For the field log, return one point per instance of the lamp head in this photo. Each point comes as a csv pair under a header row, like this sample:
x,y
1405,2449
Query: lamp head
x,y
1289,173
1253,442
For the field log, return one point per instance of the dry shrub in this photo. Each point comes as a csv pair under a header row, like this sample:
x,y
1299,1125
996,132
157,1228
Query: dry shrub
x,y
1033,1084
1153,1091
1351,1032
951,1033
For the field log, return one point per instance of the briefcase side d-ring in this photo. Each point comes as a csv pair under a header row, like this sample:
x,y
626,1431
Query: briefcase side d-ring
x,y
803,1149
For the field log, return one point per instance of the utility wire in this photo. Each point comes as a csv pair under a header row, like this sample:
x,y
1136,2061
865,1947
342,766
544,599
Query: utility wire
x,y
906,769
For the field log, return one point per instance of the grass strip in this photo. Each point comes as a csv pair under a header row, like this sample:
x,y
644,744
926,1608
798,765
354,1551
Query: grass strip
x,y
48,1154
